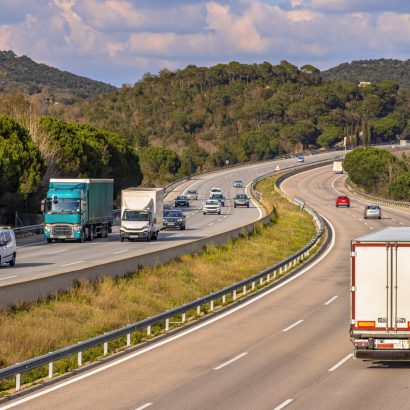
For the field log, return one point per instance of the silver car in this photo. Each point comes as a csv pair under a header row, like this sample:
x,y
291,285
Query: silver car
x,y
7,246
192,194
211,206
372,211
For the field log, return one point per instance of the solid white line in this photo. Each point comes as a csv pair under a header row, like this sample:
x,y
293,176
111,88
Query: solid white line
x,y
72,263
210,224
254,202
292,326
284,404
231,361
179,335
9,277
53,253
177,235
124,250
332,369
144,406
330,300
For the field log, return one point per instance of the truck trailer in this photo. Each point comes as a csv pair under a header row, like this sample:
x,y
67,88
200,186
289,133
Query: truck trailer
x,y
380,295
338,167
78,209
141,213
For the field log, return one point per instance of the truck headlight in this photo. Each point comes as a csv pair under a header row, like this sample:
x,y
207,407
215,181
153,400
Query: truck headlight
x,y
47,228
77,227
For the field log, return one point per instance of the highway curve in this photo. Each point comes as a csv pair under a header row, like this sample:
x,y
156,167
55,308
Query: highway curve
x,y
287,348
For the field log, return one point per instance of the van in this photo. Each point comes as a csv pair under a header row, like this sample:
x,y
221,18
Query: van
x,y
7,246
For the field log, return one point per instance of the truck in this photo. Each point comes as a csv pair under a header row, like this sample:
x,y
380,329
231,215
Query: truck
x,y
338,167
141,213
78,209
380,295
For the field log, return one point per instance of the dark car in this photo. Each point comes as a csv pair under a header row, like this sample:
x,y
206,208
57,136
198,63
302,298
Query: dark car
x,y
241,200
219,197
174,219
181,200
342,200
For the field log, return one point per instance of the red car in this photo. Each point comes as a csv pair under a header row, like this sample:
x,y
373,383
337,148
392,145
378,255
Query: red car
x,y
342,201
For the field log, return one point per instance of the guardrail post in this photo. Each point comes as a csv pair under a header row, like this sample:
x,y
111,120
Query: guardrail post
x,y
253,285
50,370
167,324
294,262
280,271
149,330
212,306
261,281
128,339
198,310
274,274
234,295
244,289
18,382
80,359
224,299
268,277
183,317
105,348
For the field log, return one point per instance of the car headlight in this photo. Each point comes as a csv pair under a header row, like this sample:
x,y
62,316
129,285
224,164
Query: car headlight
x,y
180,220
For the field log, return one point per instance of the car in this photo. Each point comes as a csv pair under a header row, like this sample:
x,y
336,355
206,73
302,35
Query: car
x,y
181,200
342,200
192,194
218,197
215,191
372,211
7,246
241,200
174,218
211,206
300,158
238,183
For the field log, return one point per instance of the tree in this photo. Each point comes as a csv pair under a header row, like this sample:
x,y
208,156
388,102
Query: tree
x,y
400,187
329,136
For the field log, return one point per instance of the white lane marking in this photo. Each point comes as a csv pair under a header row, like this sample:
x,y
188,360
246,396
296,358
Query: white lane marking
x,y
225,216
284,404
370,227
124,250
9,277
292,326
72,263
332,369
210,224
401,223
53,253
231,361
219,220
179,335
254,202
31,244
330,300
144,406
176,236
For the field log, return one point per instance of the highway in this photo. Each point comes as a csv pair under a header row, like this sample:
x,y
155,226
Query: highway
x,y
289,347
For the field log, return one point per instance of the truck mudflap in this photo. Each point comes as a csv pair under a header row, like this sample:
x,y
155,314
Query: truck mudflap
x,y
383,355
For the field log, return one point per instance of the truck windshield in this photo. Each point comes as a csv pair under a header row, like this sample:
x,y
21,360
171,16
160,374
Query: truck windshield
x,y
63,206
135,216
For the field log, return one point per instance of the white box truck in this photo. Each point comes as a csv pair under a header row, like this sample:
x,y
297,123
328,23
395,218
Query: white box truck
x,y
141,213
338,167
380,295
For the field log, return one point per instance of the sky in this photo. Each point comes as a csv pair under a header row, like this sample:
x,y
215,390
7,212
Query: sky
x,y
118,41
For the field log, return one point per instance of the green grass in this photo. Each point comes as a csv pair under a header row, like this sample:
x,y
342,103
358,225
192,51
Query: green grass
x,y
90,309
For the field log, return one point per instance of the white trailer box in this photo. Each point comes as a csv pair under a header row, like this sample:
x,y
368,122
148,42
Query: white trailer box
x,y
380,295
338,167
141,213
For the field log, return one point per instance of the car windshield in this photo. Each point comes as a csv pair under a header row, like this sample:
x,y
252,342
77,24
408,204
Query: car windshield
x,y
241,196
211,202
173,214
63,205
191,191
135,215
374,207
181,197
217,196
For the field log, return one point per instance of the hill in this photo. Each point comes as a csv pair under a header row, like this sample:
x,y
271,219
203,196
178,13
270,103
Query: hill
x,y
24,74
374,71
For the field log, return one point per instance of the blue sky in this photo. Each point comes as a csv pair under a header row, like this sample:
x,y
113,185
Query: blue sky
x,y
117,41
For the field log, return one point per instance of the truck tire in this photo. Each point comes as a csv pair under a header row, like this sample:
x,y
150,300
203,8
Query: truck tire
x,y
91,233
81,240
122,239
155,237
49,240
13,260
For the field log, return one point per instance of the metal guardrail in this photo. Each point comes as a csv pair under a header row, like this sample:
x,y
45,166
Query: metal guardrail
x,y
373,198
232,292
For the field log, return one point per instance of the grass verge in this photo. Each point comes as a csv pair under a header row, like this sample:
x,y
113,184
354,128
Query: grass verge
x,y
90,309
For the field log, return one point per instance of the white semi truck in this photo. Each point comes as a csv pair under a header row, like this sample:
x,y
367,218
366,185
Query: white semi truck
x,y
141,213
380,295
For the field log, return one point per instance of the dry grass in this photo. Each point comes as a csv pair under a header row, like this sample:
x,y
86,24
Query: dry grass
x,y
91,309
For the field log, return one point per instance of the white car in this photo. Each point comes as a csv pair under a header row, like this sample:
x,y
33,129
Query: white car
x,y
300,158
215,191
7,246
211,206
238,183
192,194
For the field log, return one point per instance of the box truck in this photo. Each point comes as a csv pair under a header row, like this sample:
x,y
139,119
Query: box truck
x,y
141,213
338,167
380,295
78,209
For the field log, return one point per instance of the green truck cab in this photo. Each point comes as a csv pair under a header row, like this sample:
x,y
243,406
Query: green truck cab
x,y
78,209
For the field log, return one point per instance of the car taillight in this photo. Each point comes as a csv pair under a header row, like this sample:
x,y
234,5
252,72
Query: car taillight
x,y
361,343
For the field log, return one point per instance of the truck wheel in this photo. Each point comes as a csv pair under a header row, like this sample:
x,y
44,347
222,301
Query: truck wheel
x,y
122,239
49,240
81,240
90,233
155,236
13,260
